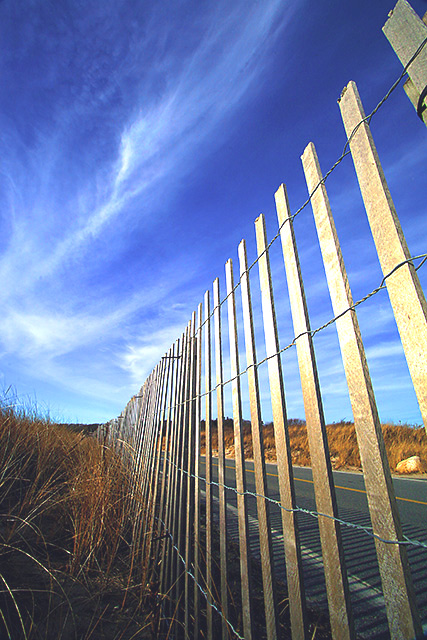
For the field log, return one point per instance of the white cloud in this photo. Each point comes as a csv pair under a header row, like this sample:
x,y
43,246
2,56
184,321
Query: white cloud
x,y
159,145
384,350
167,135
139,358
48,333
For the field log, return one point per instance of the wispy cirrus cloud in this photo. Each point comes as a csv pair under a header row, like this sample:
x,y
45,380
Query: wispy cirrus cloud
x,y
159,141
139,358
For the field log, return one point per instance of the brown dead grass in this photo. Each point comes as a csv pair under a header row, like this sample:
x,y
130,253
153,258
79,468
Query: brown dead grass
x,y
401,442
66,559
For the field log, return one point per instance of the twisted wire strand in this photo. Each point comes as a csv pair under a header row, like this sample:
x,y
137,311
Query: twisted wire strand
x,y
312,333
345,152
315,514
210,602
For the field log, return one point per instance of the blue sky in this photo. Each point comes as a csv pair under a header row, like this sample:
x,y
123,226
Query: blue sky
x,y
140,140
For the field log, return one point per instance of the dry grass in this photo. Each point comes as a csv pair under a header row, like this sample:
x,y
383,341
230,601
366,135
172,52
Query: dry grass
x,y
401,442
68,569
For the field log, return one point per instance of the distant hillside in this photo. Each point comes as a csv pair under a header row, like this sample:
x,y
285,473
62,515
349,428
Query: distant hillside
x,y
401,442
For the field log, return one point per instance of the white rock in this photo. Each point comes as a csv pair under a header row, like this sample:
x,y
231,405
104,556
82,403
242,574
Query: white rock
x,y
414,464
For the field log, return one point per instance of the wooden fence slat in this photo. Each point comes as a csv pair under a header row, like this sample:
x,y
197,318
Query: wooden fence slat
x,y
208,464
154,422
159,427
239,457
164,449
161,462
121,445
155,468
141,471
136,448
145,429
198,401
137,503
266,549
139,431
183,482
330,535
183,430
175,562
413,93
189,522
167,468
281,435
160,468
148,429
395,574
152,466
223,551
145,456
403,286
142,433
168,552
135,432
406,31
122,427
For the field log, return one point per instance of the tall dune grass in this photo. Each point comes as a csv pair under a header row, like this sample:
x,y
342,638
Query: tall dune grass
x,y
67,565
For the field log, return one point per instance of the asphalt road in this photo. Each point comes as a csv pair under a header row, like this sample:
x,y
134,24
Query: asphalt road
x,y
360,555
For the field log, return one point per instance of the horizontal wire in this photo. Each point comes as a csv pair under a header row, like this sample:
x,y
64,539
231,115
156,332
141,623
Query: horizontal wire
x,y
311,333
290,218
345,152
297,509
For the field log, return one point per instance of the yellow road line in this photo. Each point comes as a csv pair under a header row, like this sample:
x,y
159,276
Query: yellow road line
x,y
337,486
361,491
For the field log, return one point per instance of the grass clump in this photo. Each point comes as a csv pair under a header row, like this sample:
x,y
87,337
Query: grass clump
x,y
67,566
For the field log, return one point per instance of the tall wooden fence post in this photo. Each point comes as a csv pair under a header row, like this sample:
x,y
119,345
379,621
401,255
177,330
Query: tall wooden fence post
x,y
403,286
265,541
297,603
208,463
393,563
221,459
167,468
330,534
406,32
196,529
239,457
190,461
184,430
175,562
